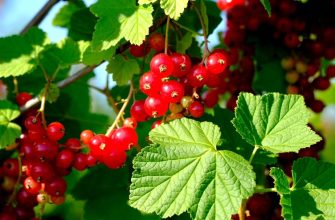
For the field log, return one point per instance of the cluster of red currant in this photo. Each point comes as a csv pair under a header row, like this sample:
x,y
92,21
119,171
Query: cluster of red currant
x,y
291,28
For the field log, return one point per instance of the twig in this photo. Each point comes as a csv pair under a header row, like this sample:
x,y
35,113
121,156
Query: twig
x,y
40,15
166,45
120,114
205,34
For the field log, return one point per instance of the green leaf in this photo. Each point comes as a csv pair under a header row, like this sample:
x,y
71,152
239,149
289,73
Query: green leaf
x,y
274,122
91,57
186,173
18,53
63,16
267,6
8,131
142,2
113,195
82,25
123,69
174,8
53,93
185,43
312,195
203,11
120,19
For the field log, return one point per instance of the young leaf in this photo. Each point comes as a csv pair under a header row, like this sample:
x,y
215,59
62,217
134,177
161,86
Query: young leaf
x,y
267,6
91,57
312,193
174,8
185,172
63,16
122,69
9,131
274,122
120,19
142,2
18,53
185,43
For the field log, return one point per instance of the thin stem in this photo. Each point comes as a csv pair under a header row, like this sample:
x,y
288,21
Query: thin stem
x,y
17,184
253,154
264,190
43,100
204,31
16,86
120,114
187,29
40,15
167,35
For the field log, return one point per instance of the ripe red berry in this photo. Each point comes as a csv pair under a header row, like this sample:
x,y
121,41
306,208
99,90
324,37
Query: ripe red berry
x,y
196,109
162,65
156,124
182,64
227,4
137,111
150,83
124,138
91,161
139,50
198,76
73,143
31,186
86,136
260,205
130,122
80,161
99,144
210,98
22,98
65,158
321,83
172,91
155,106
55,131
115,158
11,167
56,187
33,123
217,62
41,172
317,106
330,72
35,135
26,199
157,42
46,150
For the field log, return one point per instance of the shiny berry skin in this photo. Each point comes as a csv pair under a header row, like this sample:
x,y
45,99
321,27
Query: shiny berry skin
x,y
80,161
196,109
56,187
73,143
31,186
124,138
162,65
217,62
27,150
227,4
99,144
26,199
86,136
172,91
46,150
33,123
11,167
115,158
321,83
139,50
130,122
150,83
65,158
157,42
198,76
22,98
91,161
182,64
317,106
156,124
210,98
155,106
35,135
42,172
137,111
186,101
55,131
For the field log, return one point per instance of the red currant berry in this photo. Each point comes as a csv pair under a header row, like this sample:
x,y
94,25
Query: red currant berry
x,y
42,172
124,138
65,158
33,123
321,83
31,186
157,42
56,187
198,76
217,62
182,64
57,200
86,136
172,91
162,65
80,161
227,4
91,161
150,83
130,122
292,40
317,106
139,50
156,124
73,144
155,106
26,199
196,109
115,158
46,150
137,111
22,98
99,144
330,72
36,135
11,167
211,98
55,131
